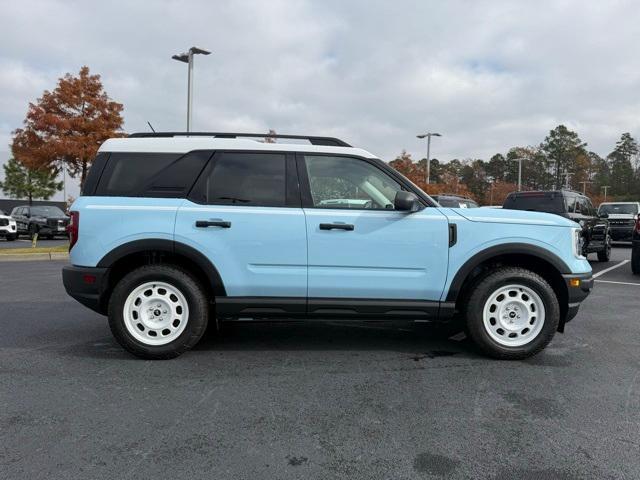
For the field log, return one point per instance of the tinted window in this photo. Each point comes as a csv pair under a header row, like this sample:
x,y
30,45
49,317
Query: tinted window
x,y
536,202
582,206
177,178
94,174
127,173
342,182
237,178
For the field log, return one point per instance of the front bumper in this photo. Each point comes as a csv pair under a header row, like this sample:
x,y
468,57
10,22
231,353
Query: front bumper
x,y
86,285
621,233
579,287
7,230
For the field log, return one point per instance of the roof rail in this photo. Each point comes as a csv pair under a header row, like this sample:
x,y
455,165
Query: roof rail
x,y
325,141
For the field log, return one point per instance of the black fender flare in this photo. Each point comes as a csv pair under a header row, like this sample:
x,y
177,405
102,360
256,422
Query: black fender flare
x,y
170,247
496,251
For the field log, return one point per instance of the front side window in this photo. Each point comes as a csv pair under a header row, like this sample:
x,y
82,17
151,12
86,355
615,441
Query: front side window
x,y
350,183
238,178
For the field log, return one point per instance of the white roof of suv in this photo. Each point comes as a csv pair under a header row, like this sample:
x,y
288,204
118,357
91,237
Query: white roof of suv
x,y
182,143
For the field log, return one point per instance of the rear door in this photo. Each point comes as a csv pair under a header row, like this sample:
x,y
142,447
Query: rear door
x,y
359,246
244,215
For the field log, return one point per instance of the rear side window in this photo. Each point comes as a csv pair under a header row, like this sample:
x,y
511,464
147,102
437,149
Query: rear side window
x,y
239,178
150,174
536,202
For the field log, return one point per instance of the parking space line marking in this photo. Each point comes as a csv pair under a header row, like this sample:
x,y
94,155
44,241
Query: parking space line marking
x,y
602,272
619,283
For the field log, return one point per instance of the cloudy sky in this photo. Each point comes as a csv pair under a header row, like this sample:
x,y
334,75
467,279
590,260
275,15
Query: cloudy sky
x,y
487,75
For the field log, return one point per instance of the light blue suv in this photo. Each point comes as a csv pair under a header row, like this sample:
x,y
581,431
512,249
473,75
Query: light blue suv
x,y
175,230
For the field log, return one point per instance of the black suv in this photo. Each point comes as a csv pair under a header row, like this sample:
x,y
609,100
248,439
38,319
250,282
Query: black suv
x,y
454,201
574,206
47,221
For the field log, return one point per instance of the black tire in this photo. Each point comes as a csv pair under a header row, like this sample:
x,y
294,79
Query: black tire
x,y
196,300
11,238
481,292
32,231
635,260
604,255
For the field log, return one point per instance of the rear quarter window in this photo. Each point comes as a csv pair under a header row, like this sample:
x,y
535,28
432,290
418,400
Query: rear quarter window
x,y
150,174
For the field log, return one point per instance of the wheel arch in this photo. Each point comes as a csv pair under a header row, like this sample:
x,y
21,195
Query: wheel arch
x,y
128,256
537,259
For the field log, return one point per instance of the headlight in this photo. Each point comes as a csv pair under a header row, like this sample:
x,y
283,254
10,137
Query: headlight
x,y
576,242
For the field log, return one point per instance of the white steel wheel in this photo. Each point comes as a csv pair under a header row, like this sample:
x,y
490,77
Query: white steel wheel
x,y
513,315
155,313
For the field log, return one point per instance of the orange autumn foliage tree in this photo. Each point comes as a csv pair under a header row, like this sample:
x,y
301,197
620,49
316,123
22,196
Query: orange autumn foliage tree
x,y
413,171
67,125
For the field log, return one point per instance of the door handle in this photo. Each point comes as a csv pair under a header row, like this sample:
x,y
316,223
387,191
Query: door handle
x,y
212,223
336,226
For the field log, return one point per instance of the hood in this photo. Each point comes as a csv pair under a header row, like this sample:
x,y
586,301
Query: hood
x,y
503,215
7,217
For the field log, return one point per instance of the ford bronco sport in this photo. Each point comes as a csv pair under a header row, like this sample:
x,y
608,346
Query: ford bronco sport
x,y
174,230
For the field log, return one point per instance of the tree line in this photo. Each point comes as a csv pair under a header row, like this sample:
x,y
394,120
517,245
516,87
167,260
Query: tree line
x,y
65,127
562,160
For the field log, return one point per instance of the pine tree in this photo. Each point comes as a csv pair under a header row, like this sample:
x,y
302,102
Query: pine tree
x,y
562,148
621,165
22,182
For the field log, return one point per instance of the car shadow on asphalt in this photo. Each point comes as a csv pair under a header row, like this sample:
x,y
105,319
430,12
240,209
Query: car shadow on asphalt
x,y
421,339
418,341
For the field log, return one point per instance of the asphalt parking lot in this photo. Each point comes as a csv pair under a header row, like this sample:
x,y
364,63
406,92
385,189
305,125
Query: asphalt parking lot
x,y
315,400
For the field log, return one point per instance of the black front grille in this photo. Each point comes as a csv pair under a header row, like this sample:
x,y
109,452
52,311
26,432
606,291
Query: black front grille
x,y
622,223
4,222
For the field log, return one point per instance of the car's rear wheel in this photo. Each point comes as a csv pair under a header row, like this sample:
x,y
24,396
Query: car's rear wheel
x,y
635,260
512,313
604,255
158,311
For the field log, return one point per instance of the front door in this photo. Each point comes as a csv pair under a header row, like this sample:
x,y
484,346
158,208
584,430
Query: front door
x,y
359,246
242,216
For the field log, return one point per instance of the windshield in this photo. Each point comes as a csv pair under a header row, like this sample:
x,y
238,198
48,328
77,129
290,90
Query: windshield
x,y
46,212
452,202
619,208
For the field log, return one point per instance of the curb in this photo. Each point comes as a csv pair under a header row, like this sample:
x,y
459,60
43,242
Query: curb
x,y
32,257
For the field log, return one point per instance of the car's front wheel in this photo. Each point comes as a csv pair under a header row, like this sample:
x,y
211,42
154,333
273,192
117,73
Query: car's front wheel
x,y
604,255
158,311
512,313
11,238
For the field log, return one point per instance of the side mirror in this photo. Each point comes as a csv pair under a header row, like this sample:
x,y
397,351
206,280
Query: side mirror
x,y
406,202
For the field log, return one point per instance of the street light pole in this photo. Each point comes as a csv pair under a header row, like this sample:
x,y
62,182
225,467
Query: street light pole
x,y
606,187
428,137
188,59
519,160
584,186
